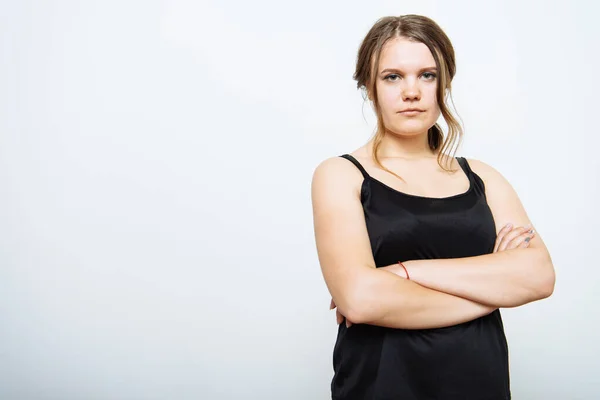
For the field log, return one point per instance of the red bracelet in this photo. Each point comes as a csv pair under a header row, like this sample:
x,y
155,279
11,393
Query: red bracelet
x,y
405,270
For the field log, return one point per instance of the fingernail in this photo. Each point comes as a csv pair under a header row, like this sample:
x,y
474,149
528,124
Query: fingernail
x,y
509,225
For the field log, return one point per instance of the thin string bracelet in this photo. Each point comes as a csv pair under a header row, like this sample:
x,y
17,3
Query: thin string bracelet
x,y
405,270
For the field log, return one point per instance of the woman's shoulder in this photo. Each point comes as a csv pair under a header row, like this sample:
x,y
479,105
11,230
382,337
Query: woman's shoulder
x,y
489,174
342,166
336,173
480,167
335,165
336,184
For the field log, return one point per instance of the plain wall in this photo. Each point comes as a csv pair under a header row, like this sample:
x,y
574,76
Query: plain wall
x,y
156,237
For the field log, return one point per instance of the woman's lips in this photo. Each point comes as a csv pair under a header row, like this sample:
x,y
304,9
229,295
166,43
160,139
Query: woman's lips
x,y
410,113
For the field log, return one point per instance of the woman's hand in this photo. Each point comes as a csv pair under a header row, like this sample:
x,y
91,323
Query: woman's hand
x,y
338,315
509,238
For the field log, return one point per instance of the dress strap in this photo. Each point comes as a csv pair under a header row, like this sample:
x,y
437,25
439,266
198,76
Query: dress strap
x,y
473,177
355,162
464,165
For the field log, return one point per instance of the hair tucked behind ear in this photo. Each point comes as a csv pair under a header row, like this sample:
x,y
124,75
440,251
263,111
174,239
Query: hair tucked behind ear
x,y
424,30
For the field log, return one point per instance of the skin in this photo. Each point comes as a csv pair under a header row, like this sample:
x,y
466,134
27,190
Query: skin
x,y
407,79
508,238
439,292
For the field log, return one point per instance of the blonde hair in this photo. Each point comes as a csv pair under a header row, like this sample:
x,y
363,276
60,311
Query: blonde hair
x,y
419,29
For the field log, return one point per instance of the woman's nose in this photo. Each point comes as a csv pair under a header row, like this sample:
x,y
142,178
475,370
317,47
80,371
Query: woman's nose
x,y
410,91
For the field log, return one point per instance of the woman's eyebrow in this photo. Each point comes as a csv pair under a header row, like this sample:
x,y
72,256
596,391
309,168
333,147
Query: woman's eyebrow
x,y
399,71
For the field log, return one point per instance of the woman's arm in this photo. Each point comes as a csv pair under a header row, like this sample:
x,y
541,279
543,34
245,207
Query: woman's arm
x,y
361,292
506,279
401,303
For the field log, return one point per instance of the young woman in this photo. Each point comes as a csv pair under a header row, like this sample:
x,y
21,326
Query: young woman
x,y
415,245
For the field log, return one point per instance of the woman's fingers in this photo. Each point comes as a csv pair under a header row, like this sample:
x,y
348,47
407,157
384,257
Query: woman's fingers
x,y
514,241
338,315
511,239
523,241
339,318
510,236
501,234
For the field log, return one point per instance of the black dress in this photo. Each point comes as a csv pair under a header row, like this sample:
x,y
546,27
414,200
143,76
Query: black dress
x,y
468,361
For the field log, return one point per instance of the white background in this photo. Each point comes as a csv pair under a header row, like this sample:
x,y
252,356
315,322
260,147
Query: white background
x,y
156,236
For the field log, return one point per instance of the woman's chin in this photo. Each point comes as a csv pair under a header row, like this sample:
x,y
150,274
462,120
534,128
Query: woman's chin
x,y
410,129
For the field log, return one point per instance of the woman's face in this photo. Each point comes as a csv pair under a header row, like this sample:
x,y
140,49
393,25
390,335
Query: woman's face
x,y
407,78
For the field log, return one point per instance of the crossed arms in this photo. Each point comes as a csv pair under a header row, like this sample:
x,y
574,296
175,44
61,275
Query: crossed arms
x,y
440,292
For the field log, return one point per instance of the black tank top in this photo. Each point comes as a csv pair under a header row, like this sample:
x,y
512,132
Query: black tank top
x,y
468,361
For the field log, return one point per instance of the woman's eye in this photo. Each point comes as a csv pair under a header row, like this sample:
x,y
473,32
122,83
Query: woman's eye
x,y
394,77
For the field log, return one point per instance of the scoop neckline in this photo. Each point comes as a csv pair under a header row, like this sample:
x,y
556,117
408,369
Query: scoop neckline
x,y
414,196
368,176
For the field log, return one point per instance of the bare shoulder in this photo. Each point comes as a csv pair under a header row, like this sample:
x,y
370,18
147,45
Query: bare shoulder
x,y
501,196
334,165
485,170
496,184
336,175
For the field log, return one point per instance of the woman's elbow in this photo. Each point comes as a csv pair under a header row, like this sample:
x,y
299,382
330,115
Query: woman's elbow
x,y
548,277
357,310
362,305
368,296
546,280
538,288
351,303
547,286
